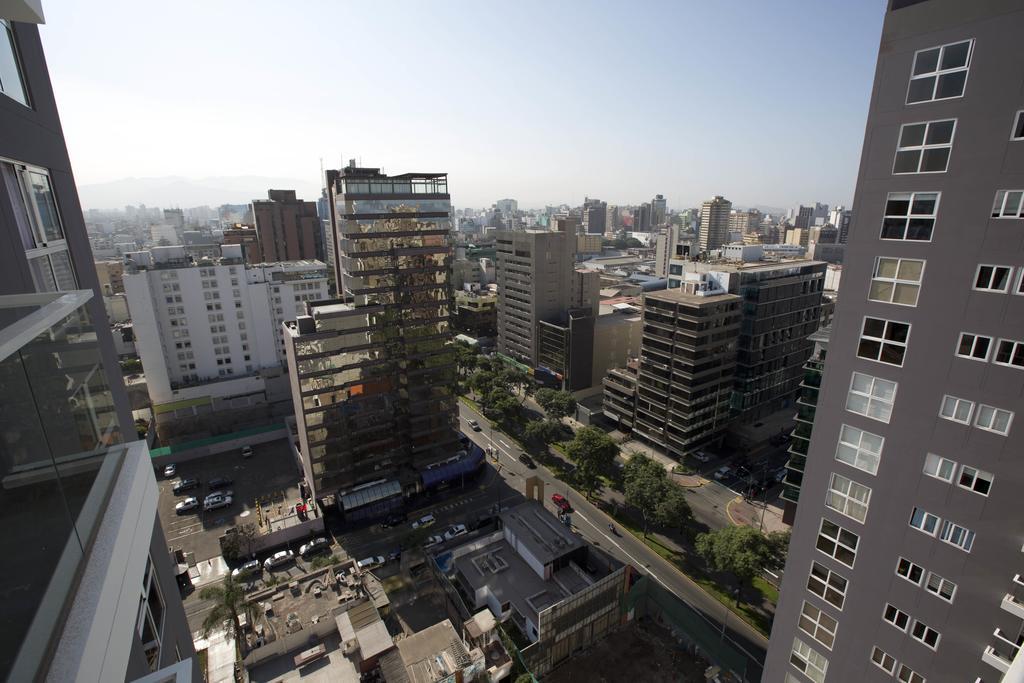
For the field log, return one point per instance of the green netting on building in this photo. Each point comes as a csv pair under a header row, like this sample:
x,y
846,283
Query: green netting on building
x,y
209,441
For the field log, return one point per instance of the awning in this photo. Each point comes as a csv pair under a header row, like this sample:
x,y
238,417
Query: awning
x,y
370,494
454,470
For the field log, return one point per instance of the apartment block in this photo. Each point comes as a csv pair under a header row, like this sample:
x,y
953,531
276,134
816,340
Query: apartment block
x,y
714,223
905,560
288,228
373,373
208,328
111,277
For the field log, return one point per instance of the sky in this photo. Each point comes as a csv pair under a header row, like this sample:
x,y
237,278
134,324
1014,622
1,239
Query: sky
x,y
545,102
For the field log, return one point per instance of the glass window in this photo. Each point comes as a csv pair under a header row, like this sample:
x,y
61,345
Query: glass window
x,y
817,625
41,195
1008,204
940,73
884,341
973,346
908,675
12,82
1017,132
956,535
827,585
975,480
924,521
924,147
910,216
940,587
926,634
848,497
883,660
859,449
992,278
1010,353
896,617
956,409
809,661
837,542
909,571
871,397
993,419
896,280
939,467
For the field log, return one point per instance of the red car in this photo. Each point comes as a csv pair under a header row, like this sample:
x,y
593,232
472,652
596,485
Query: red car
x,y
560,502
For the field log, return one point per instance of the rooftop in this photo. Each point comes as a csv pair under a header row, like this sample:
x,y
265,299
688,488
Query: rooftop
x,y
433,654
681,297
540,532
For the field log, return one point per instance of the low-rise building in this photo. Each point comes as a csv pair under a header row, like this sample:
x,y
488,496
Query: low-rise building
x,y
476,314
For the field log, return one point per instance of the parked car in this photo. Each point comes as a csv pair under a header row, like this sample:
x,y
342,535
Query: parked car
x,y
219,494
368,563
560,502
246,451
424,521
317,545
187,505
528,461
395,555
722,472
217,502
170,470
455,531
700,456
247,570
474,425
392,520
432,541
185,485
278,559
219,483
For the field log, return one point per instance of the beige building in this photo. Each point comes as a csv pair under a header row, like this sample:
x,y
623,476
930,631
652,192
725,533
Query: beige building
x,y
714,223
288,228
111,276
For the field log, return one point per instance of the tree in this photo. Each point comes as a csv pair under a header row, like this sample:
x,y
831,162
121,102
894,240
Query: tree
x,y
557,404
541,433
228,603
524,678
673,510
499,405
594,453
466,358
240,543
739,550
779,543
643,479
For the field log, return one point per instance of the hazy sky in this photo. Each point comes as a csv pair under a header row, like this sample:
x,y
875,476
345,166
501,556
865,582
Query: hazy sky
x,y
763,102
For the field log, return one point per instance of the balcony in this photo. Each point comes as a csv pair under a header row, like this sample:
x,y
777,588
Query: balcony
x,y
1013,606
996,660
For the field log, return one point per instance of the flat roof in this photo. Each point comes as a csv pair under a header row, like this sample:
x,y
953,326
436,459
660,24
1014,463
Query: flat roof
x,y
433,653
543,535
679,296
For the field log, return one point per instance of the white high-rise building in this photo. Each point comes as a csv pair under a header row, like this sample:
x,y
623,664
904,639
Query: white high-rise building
x,y
213,320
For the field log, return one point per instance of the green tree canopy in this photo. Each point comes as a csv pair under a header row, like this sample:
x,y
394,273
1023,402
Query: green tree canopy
x,y
541,433
229,602
739,550
594,453
648,489
557,404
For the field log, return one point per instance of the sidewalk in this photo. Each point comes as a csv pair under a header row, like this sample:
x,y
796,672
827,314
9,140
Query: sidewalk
x,y
746,513
691,481
220,657
208,571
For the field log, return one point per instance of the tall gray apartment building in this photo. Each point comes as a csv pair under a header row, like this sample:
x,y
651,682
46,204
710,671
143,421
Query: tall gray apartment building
x,y
88,583
905,560
373,372
714,223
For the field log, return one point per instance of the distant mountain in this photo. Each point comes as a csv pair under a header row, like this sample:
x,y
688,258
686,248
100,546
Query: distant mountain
x,y
180,192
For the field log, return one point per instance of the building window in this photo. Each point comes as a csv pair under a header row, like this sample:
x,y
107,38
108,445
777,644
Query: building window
x,y
809,661
956,409
909,571
150,622
940,73
12,82
939,467
896,617
908,675
924,147
956,535
943,588
993,419
973,346
847,497
871,397
1008,204
837,542
1009,353
926,634
1017,132
884,341
924,521
993,278
975,480
818,625
860,449
827,585
883,660
896,280
910,216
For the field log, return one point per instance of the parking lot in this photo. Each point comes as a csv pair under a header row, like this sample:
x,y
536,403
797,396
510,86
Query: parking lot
x,y
270,475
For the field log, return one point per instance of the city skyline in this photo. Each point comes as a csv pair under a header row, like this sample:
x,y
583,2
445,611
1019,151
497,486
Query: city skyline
x,y
189,102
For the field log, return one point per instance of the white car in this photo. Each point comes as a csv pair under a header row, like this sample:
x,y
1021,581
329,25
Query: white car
x,y
213,495
722,472
278,559
187,505
170,470
246,570
455,531
368,563
700,456
216,502
246,451
424,521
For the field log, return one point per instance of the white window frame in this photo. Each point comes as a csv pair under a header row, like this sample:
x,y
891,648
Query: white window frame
x,y
951,529
829,591
1001,200
898,615
974,341
910,197
837,542
924,146
896,282
937,592
8,37
810,661
870,399
908,675
848,497
883,341
992,277
910,567
957,403
927,519
881,660
1016,352
974,475
862,459
817,628
939,72
936,463
1018,126
983,410
925,629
